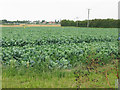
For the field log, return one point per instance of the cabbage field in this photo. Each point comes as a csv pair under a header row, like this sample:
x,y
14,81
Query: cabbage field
x,y
57,47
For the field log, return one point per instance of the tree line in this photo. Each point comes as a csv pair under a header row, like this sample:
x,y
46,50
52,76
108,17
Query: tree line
x,y
99,23
4,22
12,22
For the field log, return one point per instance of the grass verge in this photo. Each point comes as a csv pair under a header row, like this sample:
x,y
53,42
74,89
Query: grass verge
x,y
26,78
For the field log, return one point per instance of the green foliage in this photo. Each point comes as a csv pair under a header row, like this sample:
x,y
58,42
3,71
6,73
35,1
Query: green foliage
x,y
67,23
43,21
52,48
101,23
94,73
49,52
6,22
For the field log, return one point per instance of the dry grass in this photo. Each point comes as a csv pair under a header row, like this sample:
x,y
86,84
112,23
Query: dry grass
x,y
29,25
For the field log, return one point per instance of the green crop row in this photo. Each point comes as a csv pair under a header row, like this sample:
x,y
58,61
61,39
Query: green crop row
x,y
55,47
57,40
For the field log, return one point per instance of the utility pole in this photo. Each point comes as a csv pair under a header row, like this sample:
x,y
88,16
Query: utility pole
x,y
88,18
77,21
60,21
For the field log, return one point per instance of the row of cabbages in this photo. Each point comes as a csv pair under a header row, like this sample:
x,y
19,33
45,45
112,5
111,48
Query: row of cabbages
x,y
57,40
59,56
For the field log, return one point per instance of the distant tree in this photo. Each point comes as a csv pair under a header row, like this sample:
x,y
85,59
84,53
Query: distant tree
x,y
4,21
55,21
103,23
43,21
0,21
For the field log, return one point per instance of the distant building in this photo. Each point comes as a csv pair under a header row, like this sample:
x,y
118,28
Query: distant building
x,y
50,22
44,22
53,22
34,22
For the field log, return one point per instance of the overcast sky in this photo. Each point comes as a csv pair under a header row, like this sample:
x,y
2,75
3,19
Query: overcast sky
x,y
57,9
